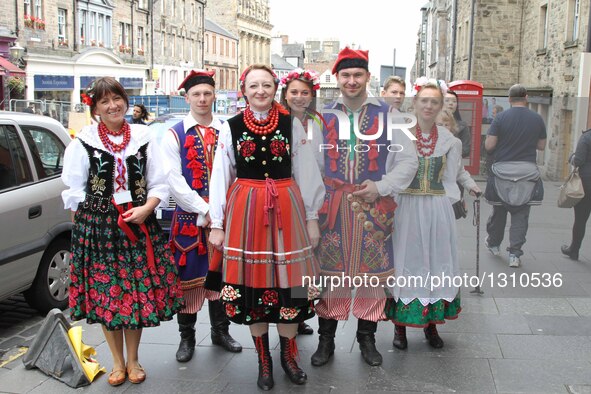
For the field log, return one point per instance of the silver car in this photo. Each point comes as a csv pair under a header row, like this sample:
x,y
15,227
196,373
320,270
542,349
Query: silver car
x,y
35,229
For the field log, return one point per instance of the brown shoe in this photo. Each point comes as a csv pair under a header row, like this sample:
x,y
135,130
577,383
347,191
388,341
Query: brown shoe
x,y
117,377
136,374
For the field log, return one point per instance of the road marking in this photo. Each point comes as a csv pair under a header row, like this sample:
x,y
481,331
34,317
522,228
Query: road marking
x,y
14,356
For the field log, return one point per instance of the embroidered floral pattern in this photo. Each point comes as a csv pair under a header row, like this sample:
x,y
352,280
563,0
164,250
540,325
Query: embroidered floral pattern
x,y
98,185
256,314
314,292
289,313
269,297
279,146
232,310
141,187
246,147
228,293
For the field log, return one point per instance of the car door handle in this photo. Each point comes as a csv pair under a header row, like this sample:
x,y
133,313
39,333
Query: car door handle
x,y
35,212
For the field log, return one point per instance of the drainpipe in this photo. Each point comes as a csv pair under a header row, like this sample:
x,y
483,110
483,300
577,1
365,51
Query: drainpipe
x,y
75,24
453,40
471,39
131,28
204,3
16,7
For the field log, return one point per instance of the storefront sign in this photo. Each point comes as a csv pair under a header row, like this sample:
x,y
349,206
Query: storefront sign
x,y
54,82
132,83
85,81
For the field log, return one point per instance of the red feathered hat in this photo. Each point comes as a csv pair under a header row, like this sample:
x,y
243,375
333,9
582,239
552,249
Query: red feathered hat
x,y
351,58
197,77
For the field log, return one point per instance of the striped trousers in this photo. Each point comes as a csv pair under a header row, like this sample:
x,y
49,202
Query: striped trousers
x,y
195,297
369,303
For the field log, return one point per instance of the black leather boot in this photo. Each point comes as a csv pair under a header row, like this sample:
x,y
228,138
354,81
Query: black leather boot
x,y
187,329
265,379
570,252
433,336
366,336
400,341
220,334
304,329
326,329
289,353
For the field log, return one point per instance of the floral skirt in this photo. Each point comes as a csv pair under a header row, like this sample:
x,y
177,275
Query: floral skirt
x,y
267,254
415,314
112,282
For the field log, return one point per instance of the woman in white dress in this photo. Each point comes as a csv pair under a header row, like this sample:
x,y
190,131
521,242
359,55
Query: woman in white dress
x,y
424,226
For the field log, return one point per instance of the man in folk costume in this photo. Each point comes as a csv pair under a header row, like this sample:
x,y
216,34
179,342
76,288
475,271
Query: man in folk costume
x,y
189,147
362,175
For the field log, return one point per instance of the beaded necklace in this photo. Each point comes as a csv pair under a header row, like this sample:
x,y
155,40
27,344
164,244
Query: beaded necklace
x,y
426,145
104,133
263,126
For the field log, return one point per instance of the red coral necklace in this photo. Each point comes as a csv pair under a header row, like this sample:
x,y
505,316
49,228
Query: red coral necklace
x,y
426,145
266,125
104,133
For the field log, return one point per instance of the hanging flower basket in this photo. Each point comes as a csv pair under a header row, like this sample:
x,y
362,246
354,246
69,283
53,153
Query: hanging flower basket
x,y
40,24
29,21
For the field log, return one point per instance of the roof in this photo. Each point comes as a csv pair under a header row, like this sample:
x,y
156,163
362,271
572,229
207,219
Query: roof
x,y
215,28
279,63
320,68
7,68
293,50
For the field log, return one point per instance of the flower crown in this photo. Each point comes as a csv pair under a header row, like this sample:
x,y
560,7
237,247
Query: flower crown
x,y
299,73
88,95
422,81
248,70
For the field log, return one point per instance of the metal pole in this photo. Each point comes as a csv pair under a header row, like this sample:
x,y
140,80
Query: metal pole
x,y
471,39
476,222
588,46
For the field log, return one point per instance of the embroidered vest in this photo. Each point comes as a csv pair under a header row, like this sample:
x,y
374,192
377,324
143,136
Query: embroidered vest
x,y
427,180
262,156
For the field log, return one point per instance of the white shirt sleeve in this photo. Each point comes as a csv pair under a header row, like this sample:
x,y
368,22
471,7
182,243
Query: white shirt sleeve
x,y
465,179
156,173
187,198
452,168
401,167
306,172
75,174
223,175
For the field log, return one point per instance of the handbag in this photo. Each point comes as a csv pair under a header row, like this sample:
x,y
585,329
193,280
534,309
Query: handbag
x,y
459,207
571,191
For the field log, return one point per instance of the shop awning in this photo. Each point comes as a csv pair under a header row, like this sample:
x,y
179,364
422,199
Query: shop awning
x,y
11,69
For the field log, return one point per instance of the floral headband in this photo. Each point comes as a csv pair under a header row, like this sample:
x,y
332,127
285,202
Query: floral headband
x,y
298,73
248,70
88,96
422,81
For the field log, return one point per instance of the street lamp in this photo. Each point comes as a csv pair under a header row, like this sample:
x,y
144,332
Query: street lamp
x,y
17,51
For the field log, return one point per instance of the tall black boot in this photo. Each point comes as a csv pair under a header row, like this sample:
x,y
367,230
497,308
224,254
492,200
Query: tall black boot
x,y
366,336
289,353
326,329
433,336
265,379
400,341
220,334
187,329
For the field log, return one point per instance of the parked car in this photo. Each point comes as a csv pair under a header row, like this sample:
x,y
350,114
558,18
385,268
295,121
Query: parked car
x,y
160,125
35,231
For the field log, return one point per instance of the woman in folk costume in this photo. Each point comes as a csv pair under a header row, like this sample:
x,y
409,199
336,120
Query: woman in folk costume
x,y
298,94
424,226
123,275
189,148
262,161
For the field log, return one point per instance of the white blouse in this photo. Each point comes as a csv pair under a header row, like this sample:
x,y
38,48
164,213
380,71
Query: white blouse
x,y
304,170
77,164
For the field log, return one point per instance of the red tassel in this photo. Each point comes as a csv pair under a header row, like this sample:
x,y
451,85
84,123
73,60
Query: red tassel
x,y
183,260
172,247
193,231
333,165
185,230
192,154
201,249
373,165
175,229
189,141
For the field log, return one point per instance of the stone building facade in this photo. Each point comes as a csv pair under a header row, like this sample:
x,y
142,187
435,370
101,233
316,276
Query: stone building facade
x,y
221,55
538,43
148,45
249,21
